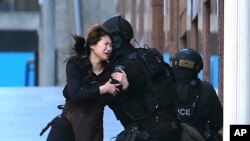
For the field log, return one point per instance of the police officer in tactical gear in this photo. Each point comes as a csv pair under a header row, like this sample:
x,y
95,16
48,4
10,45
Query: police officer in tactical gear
x,y
198,104
148,105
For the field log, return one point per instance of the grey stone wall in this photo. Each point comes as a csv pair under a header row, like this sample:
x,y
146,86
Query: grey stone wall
x,y
92,12
19,20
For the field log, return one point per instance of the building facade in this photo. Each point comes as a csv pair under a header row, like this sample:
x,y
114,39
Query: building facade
x,y
43,27
169,25
215,28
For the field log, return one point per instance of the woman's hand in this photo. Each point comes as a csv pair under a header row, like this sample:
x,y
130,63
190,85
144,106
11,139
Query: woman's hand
x,y
109,88
121,77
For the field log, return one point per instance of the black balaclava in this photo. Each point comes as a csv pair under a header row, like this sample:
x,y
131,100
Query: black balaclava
x,y
121,48
122,33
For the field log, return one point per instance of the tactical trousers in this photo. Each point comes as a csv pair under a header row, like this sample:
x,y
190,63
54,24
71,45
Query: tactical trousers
x,y
61,130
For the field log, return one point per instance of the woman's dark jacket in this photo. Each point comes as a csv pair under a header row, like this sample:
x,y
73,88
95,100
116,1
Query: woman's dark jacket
x,y
84,104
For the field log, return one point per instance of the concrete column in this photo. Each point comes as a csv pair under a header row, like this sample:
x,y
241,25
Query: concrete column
x,y
65,26
140,23
157,30
121,7
221,48
205,40
146,22
194,25
47,48
194,34
78,21
236,63
133,15
173,27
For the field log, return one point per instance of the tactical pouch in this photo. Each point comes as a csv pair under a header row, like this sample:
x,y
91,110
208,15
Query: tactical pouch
x,y
189,133
131,134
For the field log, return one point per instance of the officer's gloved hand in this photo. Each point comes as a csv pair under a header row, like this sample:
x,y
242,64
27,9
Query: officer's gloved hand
x,y
119,76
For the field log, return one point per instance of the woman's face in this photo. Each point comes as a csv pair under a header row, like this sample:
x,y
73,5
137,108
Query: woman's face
x,y
102,49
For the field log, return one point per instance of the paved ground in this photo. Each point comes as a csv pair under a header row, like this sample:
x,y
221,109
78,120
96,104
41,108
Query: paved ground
x,y
24,111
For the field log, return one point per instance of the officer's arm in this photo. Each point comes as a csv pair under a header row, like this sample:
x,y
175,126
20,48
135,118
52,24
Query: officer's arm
x,y
216,111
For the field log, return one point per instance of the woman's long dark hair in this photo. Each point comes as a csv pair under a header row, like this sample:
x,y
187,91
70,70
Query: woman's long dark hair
x,y
82,47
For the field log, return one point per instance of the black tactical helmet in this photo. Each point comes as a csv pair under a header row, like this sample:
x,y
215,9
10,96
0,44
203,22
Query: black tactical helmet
x,y
119,25
187,59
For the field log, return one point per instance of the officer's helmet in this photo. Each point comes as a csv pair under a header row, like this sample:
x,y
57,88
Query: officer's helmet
x,y
119,25
187,59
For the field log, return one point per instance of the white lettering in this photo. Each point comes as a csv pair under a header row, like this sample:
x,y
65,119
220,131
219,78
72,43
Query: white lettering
x,y
237,132
184,112
243,131
188,112
240,132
